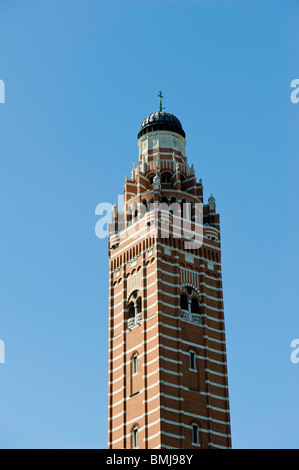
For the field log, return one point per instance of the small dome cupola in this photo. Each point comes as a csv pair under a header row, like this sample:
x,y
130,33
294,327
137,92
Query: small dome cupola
x,y
161,121
161,132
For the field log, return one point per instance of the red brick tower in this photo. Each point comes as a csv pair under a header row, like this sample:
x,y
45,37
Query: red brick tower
x,y
168,384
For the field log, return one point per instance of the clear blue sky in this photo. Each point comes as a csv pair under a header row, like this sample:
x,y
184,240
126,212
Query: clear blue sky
x,y
80,77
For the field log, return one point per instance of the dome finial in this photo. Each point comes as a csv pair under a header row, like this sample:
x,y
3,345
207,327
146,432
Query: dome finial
x,y
160,95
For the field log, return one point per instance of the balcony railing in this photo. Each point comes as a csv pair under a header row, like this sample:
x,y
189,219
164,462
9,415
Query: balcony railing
x,y
191,317
134,321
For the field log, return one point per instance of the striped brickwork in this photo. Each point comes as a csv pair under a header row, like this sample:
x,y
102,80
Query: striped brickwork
x,y
152,387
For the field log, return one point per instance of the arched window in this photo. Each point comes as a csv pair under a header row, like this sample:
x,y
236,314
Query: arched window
x,y
144,202
184,302
166,177
134,309
151,178
164,200
190,306
194,306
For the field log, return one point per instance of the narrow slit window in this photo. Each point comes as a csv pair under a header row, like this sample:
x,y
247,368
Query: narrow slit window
x,y
192,360
195,434
135,438
135,370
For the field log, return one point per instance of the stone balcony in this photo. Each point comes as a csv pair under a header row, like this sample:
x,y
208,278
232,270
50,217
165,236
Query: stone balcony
x,y
189,317
134,321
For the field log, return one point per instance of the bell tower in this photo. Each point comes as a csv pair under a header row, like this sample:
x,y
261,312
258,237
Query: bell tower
x,y
168,385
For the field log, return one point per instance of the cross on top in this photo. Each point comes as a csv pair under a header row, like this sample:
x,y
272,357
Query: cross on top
x,y
160,95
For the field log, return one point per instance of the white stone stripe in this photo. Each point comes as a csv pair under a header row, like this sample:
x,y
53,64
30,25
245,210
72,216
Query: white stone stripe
x,y
202,273
143,376
215,408
220,341
206,358
160,345
163,370
217,446
149,362
216,384
188,426
161,432
169,384
123,437
177,411
141,392
156,244
136,419
192,344
132,349
156,347
189,343
112,394
161,394
185,426
153,373
216,373
215,396
111,382
204,418
176,436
